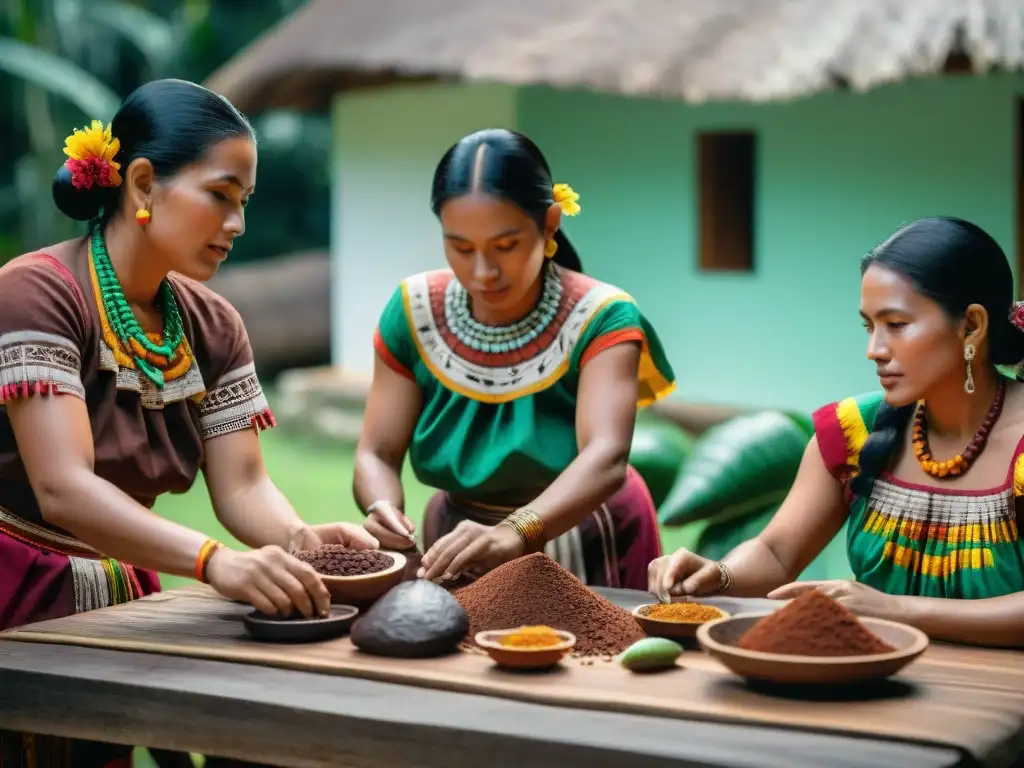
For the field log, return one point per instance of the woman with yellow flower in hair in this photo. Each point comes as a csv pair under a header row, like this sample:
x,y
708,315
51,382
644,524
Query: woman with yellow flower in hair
x,y
512,380
121,376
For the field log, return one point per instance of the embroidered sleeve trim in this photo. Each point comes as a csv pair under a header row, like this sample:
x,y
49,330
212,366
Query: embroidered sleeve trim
x,y
611,339
389,359
236,402
37,363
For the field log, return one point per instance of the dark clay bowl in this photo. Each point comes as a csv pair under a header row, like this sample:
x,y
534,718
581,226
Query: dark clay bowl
x,y
292,629
720,638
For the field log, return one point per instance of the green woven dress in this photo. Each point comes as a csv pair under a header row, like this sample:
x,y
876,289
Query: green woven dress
x,y
910,539
498,422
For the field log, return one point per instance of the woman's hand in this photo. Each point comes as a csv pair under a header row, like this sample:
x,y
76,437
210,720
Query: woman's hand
x,y
471,549
859,598
346,534
270,580
389,526
684,574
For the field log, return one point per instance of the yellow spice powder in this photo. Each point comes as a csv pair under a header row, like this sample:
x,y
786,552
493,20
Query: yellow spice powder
x,y
531,637
683,612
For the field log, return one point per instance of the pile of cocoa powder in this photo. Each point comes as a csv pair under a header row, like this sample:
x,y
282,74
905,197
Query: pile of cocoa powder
x,y
813,624
536,590
337,560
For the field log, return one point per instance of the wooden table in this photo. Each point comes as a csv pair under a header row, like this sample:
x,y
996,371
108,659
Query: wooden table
x,y
292,718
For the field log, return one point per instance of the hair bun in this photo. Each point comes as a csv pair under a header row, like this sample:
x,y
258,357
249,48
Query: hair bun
x,y
77,204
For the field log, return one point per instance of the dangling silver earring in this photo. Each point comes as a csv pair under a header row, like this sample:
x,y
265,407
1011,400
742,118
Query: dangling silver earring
x,y
969,382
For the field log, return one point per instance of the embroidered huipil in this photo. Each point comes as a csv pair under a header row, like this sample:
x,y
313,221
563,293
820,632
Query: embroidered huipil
x,y
498,422
909,539
147,441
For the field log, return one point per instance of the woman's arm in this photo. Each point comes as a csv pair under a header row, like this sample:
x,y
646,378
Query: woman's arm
x,y
995,621
813,512
605,419
392,408
56,446
245,499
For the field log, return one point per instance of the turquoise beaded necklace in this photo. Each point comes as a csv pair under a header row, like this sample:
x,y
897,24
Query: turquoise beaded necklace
x,y
122,320
506,338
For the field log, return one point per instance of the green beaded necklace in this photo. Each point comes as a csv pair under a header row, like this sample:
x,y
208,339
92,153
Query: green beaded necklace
x,y
122,320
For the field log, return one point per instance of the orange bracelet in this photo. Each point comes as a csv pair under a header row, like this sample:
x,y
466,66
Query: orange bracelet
x,y
202,560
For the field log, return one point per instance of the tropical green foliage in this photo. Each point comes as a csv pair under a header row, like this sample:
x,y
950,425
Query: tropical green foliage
x,y
659,451
66,62
737,468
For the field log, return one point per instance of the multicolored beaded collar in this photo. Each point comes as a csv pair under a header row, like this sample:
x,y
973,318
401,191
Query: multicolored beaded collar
x,y
160,358
508,338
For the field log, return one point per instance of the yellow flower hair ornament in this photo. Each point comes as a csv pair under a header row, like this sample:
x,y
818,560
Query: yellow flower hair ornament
x,y
567,199
91,154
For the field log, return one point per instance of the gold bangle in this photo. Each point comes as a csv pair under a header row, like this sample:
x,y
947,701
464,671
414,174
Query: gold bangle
x,y
529,527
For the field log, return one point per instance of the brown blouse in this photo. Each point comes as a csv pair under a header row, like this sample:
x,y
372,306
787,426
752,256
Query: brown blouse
x,y
147,441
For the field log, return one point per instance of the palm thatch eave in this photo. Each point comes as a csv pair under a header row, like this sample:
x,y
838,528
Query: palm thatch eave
x,y
694,50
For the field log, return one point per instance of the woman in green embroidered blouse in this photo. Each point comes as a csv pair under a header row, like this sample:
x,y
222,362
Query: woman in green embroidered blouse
x,y
512,380
932,525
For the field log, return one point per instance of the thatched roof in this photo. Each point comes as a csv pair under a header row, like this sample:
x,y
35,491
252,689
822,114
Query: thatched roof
x,y
697,50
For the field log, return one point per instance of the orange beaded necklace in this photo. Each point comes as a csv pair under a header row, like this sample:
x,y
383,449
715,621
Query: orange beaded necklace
x,y
960,463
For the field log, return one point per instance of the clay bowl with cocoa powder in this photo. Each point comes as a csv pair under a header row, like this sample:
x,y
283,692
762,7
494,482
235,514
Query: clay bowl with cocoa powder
x,y
524,658
673,629
720,640
362,591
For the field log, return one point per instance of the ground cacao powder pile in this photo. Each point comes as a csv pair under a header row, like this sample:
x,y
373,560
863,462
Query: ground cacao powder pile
x,y
336,560
813,625
536,590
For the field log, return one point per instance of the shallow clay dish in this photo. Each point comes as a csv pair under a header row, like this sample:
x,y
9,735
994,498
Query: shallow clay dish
x,y
719,638
524,658
286,629
363,590
671,629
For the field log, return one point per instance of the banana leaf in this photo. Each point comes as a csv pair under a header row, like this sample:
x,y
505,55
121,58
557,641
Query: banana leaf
x,y
736,469
59,77
802,420
719,539
659,451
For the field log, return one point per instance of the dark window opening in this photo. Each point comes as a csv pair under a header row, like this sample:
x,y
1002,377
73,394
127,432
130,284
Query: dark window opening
x,y
725,195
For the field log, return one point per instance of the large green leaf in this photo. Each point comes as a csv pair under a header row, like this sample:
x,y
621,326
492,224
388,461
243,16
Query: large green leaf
x,y
154,37
58,76
659,450
737,468
719,539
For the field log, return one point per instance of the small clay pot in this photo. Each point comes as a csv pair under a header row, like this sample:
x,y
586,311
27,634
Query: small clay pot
x,y
524,658
672,630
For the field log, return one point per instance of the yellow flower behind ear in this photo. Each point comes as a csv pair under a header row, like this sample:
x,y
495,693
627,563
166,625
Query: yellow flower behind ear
x,y
567,199
96,143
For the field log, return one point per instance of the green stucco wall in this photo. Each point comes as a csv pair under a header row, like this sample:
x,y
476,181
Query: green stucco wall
x,y
836,174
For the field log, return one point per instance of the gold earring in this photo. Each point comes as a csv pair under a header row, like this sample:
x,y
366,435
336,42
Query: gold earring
x,y
969,356
550,248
